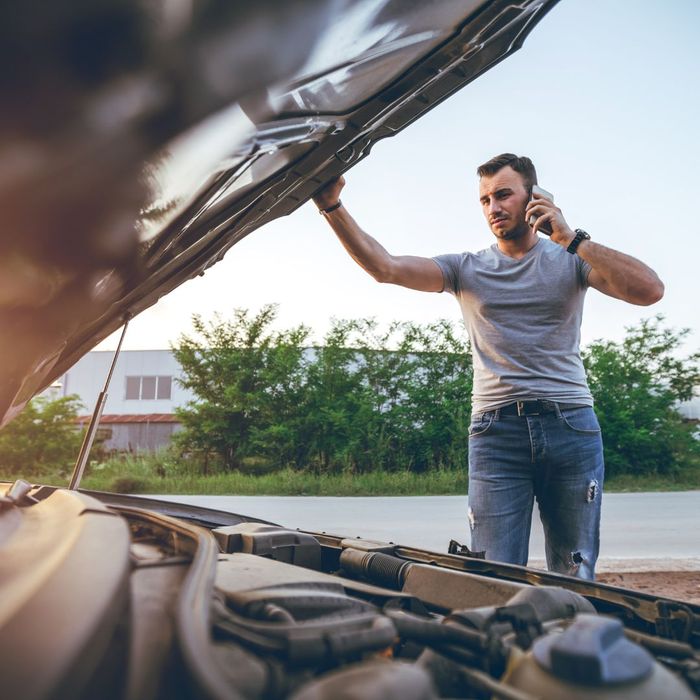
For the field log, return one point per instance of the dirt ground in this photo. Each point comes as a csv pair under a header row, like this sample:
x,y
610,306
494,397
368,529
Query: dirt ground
x,y
679,585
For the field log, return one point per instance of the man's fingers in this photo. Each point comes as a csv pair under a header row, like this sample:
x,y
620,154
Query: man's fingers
x,y
540,208
548,218
338,181
541,220
330,191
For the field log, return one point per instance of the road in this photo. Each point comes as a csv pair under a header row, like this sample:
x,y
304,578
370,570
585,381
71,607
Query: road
x,y
639,531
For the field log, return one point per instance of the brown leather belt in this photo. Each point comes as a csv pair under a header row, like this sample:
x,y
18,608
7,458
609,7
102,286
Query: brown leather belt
x,y
536,407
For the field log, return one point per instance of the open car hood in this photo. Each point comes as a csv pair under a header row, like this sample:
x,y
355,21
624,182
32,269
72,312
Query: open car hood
x,y
141,140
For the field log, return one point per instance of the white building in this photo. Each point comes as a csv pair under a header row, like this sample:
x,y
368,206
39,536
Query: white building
x,y
141,400
690,410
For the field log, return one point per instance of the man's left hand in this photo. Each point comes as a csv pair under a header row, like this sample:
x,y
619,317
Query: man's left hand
x,y
546,211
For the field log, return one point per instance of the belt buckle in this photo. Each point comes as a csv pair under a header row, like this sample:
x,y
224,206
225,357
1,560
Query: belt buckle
x,y
522,408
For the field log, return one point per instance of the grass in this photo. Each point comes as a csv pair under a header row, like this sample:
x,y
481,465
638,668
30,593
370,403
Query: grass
x,y
285,482
162,474
624,483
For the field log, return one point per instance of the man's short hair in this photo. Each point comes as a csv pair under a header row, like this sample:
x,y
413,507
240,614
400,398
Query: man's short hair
x,y
521,164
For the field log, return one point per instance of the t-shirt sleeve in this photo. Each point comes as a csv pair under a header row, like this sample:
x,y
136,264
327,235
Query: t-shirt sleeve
x,y
450,265
584,270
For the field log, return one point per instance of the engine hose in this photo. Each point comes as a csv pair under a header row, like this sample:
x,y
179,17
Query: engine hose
x,y
310,643
381,569
432,632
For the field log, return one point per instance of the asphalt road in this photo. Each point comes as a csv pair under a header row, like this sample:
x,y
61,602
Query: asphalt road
x,y
640,531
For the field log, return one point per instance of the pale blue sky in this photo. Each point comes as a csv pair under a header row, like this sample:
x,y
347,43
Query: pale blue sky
x,y
604,97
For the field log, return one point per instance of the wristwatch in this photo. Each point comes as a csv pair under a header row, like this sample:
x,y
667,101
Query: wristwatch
x,y
581,235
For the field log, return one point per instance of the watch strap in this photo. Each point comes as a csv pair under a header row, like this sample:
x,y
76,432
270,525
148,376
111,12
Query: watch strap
x,y
581,235
333,207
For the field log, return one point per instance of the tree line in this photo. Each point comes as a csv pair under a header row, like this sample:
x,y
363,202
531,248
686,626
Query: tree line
x,y
399,398
265,396
370,398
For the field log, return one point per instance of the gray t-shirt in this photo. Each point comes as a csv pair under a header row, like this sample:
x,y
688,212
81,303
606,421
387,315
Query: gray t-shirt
x,y
524,321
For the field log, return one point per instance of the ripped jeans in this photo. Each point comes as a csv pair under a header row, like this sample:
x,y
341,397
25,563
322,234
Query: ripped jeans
x,y
556,458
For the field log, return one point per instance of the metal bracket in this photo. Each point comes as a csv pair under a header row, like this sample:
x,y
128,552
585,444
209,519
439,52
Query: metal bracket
x,y
461,550
675,621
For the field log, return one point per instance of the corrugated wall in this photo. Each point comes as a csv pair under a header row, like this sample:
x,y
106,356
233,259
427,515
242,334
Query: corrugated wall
x,y
139,437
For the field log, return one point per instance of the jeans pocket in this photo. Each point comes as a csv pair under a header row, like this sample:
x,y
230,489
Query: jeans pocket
x,y
480,424
581,420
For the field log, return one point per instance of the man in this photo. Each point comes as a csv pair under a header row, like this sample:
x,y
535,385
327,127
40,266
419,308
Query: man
x,y
533,432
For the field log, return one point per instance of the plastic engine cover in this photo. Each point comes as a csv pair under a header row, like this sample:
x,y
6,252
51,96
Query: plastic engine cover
x,y
272,541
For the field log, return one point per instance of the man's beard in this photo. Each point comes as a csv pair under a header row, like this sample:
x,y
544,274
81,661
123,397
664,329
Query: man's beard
x,y
515,232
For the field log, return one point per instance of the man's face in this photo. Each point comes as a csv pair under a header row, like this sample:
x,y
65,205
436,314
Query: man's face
x,y
503,198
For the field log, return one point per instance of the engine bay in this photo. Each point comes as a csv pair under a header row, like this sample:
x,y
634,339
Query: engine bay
x,y
110,598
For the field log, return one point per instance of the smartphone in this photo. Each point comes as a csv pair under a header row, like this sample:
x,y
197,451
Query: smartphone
x,y
545,228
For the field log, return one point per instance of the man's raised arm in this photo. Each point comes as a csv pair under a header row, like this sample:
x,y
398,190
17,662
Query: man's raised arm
x,y
613,273
409,271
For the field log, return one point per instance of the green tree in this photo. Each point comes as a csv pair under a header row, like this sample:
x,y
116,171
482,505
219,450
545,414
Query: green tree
x,y
336,403
246,377
349,404
394,398
43,437
637,385
433,414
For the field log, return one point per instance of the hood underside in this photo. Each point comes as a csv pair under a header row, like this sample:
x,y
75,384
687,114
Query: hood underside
x,y
141,140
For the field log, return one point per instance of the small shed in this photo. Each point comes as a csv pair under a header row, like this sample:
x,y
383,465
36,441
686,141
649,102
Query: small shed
x,y
135,432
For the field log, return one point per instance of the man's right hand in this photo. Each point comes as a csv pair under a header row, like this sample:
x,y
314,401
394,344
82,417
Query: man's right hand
x,y
329,194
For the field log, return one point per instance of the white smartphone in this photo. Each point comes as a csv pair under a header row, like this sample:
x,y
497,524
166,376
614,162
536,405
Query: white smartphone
x,y
545,228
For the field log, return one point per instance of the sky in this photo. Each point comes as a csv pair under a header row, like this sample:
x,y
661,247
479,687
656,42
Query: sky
x,y
603,96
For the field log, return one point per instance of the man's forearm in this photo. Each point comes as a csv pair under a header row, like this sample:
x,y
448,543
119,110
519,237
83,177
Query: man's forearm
x,y
621,275
366,251
414,272
613,273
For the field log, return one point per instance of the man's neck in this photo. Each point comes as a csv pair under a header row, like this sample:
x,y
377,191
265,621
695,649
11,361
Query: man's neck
x,y
518,247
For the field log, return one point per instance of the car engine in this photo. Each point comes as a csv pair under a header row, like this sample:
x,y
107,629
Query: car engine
x,y
121,597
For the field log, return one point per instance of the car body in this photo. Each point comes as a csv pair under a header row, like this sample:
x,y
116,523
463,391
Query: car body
x,y
141,141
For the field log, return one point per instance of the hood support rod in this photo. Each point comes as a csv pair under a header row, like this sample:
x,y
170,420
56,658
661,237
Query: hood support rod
x,y
95,420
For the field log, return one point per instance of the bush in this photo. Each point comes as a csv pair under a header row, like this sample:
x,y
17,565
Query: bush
x,y
247,377
43,437
637,385
129,484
